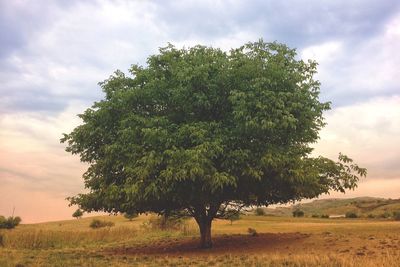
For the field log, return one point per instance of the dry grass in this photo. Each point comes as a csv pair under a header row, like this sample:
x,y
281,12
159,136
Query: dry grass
x,y
282,242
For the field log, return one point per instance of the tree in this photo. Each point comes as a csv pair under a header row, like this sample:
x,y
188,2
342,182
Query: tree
x,y
259,211
130,215
10,222
77,214
232,215
351,214
200,130
298,213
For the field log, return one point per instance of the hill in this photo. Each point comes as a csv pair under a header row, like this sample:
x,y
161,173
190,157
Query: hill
x,y
362,206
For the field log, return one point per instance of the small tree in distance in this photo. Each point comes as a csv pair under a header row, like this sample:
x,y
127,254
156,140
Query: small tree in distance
x,y
9,223
198,130
77,214
259,211
130,215
232,215
298,213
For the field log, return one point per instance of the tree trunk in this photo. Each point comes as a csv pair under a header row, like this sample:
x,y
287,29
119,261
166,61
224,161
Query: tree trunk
x,y
205,233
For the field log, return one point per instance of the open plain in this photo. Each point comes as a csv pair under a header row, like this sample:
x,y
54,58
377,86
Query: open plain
x,y
280,241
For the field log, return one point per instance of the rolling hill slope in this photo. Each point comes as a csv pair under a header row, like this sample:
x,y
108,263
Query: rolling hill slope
x,y
363,206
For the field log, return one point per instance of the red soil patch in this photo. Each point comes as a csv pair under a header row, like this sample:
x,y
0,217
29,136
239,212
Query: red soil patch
x,y
222,244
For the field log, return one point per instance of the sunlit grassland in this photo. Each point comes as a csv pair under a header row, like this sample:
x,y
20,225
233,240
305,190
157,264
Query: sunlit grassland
x,y
327,242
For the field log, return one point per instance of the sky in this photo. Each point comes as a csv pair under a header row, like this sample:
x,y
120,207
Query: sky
x,y
53,54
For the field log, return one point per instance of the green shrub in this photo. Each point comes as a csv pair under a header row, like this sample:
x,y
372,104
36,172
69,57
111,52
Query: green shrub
x,y
371,216
298,213
96,223
325,216
385,215
315,216
9,223
259,212
351,215
396,215
130,215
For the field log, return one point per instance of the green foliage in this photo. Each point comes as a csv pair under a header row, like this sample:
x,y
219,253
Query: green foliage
x,y
325,216
371,216
385,215
77,214
396,215
231,215
259,212
96,223
9,223
351,215
197,129
315,216
130,215
298,213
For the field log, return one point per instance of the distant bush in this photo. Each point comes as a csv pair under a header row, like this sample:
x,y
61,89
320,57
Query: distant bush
x,y
396,215
96,223
77,214
351,215
371,216
9,223
315,216
298,213
385,215
130,215
252,231
325,216
259,212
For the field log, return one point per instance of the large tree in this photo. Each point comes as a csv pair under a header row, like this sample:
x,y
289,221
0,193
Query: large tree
x,y
202,131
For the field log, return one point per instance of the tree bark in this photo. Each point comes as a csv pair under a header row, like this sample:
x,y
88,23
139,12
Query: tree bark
x,y
205,233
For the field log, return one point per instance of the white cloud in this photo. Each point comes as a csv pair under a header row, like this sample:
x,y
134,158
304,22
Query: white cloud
x,y
32,156
369,132
352,72
323,53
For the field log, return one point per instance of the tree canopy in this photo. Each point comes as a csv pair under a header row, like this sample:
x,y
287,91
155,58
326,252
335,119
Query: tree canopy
x,y
201,131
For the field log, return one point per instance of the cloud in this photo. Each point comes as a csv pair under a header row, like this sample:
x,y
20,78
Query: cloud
x,y
369,132
291,22
57,50
357,72
32,157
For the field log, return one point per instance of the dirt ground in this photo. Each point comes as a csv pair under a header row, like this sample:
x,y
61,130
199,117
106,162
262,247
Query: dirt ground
x,y
288,243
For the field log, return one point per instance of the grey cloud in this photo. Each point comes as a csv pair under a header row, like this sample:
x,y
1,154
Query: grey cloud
x,y
340,98
298,23
64,187
20,21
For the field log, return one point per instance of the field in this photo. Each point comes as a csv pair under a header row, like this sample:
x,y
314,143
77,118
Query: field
x,y
281,241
